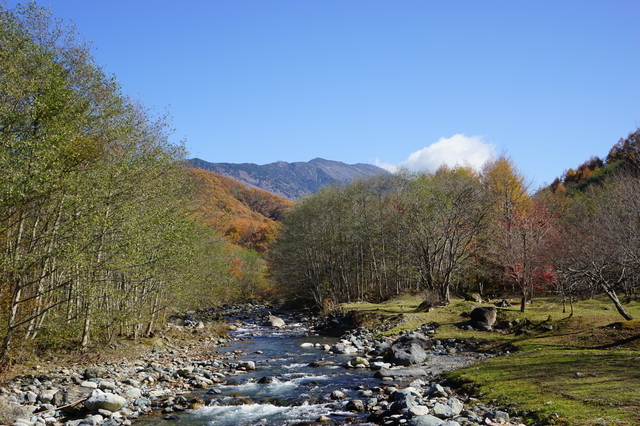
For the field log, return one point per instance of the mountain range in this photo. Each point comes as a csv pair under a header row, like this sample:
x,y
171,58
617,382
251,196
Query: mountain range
x,y
290,180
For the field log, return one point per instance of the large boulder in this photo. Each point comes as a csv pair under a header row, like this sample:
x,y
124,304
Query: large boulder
x,y
105,401
484,317
69,395
274,321
409,349
473,297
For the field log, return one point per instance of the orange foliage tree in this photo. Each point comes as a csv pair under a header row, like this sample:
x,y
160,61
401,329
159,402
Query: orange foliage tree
x,y
247,217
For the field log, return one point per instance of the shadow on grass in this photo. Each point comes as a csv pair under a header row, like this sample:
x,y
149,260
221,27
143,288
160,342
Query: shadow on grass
x,y
617,342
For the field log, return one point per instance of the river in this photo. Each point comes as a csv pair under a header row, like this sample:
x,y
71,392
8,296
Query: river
x,y
295,392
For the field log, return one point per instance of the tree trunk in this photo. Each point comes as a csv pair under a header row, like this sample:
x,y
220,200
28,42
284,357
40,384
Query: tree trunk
x,y
86,329
616,302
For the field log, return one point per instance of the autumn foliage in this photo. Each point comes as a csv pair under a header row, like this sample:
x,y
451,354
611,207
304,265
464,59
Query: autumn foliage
x,y
624,156
246,217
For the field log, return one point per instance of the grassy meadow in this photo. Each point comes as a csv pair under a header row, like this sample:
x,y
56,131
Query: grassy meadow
x,y
584,371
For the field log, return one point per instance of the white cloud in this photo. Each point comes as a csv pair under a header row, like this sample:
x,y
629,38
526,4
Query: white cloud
x,y
458,150
387,166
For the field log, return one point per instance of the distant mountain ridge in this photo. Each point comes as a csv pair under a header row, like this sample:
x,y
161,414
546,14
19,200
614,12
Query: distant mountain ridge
x,y
290,180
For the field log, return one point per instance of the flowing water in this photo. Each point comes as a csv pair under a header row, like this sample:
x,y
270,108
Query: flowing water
x,y
295,393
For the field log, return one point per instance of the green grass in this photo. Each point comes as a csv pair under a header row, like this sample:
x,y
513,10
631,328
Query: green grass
x,y
582,387
586,371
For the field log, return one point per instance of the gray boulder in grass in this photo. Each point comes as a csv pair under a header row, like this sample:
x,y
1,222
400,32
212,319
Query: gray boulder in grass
x,y
484,316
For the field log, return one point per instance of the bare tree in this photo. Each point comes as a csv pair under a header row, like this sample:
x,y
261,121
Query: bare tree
x,y
602,242
443,215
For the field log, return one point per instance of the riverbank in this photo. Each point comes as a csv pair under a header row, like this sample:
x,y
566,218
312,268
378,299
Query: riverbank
x,y
566,366
125,384
185,369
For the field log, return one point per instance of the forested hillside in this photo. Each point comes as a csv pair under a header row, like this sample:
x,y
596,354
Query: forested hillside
x,y
623,158
247,217
463,231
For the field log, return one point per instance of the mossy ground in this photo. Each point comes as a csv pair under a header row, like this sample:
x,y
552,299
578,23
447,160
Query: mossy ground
x,y
584,371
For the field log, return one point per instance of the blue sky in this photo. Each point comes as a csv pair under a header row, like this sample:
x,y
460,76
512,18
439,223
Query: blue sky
x,y
548,83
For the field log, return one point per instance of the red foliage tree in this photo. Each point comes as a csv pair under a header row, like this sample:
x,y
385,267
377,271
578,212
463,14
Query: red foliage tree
x,y
524,239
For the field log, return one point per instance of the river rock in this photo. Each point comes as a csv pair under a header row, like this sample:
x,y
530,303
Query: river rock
x,y
141,402
419,410
451,408
426,420
379,365
442,411
106,384
355,405
381,348
31,397
402,404
456,406
49,420
70,395
94,373
47,396
408,392
344,348
401,373
409,349
133,382
359,361
248,365
437,391
106,401
89,384
274,321
321,363
493,415
132,393
336,394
